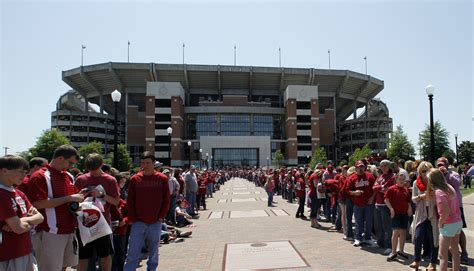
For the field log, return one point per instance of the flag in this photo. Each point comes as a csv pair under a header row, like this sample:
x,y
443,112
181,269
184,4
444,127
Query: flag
x,y
83,47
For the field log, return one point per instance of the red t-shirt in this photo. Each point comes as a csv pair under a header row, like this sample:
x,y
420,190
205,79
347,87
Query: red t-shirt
x,y
202,185
312,183
363,182
57,220
13,202
399,198
181,183
108,182
381,186
148,197
117,213
300,187
23,187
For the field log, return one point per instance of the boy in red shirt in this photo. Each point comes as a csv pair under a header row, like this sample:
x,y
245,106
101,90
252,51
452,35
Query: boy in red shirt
x,y
398,200
17,217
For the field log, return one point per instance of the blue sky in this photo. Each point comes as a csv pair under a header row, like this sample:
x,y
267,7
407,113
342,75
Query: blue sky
x,y
408,44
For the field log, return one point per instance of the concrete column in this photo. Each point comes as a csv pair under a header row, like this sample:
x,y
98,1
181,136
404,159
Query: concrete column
x,y
150,123
315,121
291,147
177,123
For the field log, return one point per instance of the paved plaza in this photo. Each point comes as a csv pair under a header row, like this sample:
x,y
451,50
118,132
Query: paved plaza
x,y
239,231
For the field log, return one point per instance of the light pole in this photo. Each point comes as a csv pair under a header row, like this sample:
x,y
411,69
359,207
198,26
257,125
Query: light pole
x,y
6,150
189,145
268,162
169,131
430,91
211,162
200,159
207,160
456,142
116,95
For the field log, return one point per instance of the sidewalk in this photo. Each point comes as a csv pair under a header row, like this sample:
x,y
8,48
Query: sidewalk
x,y
320,250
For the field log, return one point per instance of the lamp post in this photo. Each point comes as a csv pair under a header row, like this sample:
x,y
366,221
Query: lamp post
x,y
116,95
268,163
211,162
430,91
456,142
200,159
189,145
169,131
207,160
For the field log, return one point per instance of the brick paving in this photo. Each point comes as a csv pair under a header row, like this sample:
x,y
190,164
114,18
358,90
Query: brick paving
x,y
320,249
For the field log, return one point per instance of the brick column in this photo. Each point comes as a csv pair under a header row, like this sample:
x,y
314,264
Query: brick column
x,y
150,123
177,123
291,148
315,133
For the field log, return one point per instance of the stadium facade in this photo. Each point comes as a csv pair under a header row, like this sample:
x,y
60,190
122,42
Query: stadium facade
x,y
232,115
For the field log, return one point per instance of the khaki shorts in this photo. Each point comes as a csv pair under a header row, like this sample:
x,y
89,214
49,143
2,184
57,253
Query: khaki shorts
x,y
54,251
26,263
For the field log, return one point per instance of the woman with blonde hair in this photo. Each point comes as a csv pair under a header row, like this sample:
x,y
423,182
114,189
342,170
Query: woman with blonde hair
x,y
424,228
450,222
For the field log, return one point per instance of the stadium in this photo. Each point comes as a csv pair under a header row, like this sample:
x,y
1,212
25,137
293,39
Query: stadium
x,y
224,115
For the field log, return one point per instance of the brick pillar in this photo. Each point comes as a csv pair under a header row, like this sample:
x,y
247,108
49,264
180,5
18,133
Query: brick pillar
x,y
150,123
315,133
177,123
291,147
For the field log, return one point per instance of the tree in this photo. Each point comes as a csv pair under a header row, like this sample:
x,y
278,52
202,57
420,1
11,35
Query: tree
x,y
441,141
466,152
124,159
319,156
47,143
400,146
278,158
84,151
359,154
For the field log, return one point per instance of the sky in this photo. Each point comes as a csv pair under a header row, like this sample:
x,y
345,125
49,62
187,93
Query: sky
x,y
408,45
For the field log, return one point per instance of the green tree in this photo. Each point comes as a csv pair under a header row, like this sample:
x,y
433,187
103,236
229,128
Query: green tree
x,y
400,146
92,147
441,141
359,154
124,159
319,156
278,158
47,143
466,151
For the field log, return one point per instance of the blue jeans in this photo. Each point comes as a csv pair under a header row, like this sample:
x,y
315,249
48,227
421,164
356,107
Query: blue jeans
x,y
424,234
363,218
140,232
270,198
209,189
383,226
171,216
191,198
349,213
314,206
338,222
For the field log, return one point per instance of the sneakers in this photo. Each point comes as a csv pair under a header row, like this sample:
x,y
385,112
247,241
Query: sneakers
x,y
347,238
388,251
357,243
464,258
391,257
402,254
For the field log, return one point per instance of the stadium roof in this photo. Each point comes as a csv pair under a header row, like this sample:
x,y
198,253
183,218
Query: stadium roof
x,y
101,79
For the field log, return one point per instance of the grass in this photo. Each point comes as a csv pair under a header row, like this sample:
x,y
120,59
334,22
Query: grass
x,y
467,191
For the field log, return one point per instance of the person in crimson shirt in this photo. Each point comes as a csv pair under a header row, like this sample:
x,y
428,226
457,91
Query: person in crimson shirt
x,y
314,179
202,180
110,196
52,192
382,221
359,187
398,200
17,217
147,205
119,227
300,191
35,164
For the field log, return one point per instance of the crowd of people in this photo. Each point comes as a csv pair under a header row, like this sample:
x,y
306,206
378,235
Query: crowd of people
x,y
40,202
388,202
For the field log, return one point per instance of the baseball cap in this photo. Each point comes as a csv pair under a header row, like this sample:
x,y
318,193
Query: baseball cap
x,y
359,164
166,171
158,164
404,173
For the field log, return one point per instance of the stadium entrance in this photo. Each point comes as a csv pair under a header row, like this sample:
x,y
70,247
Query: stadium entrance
x,y
235,157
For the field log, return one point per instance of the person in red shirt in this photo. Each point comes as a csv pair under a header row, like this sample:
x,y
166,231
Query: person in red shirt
x,y
35,164
201,193
17,217
398,200
359,187
300,191
314,179
110,196
119,226
147,205
382,221
52,192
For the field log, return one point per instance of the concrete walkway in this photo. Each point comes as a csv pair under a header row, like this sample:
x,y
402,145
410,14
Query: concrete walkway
x,y
238,213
